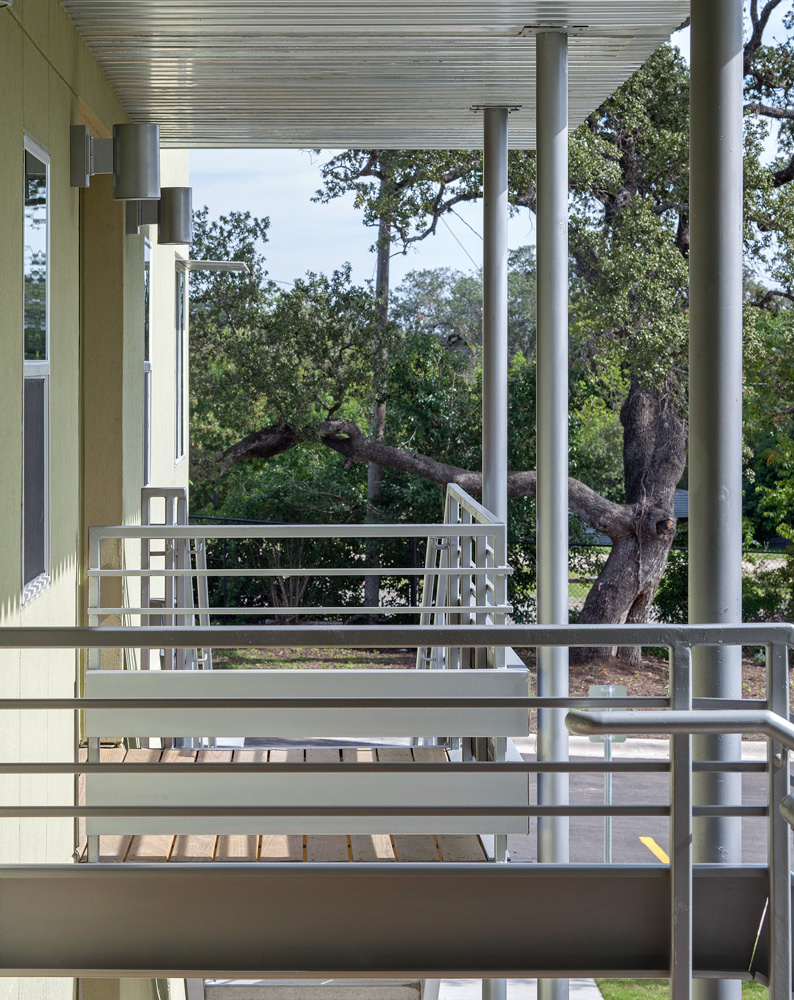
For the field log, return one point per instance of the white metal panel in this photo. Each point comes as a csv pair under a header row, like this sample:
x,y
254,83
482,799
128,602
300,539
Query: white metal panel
x,y
403,74
318,722
371,790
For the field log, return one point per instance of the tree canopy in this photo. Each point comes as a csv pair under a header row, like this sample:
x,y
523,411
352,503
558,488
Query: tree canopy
x,y
275,368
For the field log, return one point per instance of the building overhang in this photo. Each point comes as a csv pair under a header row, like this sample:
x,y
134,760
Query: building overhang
x,y
409,74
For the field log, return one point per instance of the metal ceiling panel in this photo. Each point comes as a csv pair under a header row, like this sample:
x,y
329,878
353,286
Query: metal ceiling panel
x,y
402,74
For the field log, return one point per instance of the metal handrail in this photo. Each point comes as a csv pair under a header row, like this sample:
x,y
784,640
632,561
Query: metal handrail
x,y
671,723
681,719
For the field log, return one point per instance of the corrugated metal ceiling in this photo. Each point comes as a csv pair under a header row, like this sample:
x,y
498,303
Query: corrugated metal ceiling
x,y
340,73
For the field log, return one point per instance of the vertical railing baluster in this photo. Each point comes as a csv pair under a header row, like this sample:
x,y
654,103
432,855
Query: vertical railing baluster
x,y
681,830
779,917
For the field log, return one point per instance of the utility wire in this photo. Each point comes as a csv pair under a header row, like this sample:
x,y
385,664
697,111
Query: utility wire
x,y
455,238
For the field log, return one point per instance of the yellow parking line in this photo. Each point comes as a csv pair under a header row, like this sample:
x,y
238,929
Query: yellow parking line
x,y
654,848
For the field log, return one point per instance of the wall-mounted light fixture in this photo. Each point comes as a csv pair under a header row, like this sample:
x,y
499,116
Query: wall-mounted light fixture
x,y
175,219
172,214
132,156
235,266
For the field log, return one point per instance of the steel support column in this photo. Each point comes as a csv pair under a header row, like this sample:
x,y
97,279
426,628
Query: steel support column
x,y
494,313
494,347
552,435
715,404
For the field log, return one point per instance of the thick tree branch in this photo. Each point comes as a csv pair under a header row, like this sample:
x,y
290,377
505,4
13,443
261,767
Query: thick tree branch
x,y
347,438
601,514
267,443
757,108
759,23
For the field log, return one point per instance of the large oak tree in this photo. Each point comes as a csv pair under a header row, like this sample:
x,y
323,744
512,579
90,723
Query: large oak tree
x,y
307,354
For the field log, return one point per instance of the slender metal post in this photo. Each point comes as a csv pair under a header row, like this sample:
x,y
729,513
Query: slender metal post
x,y
715,404
681,830
92,840
608,800
494,362
552,437
779,922
494,313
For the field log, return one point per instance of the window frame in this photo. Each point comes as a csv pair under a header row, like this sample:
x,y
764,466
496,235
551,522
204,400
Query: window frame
x,y
180,361
38,369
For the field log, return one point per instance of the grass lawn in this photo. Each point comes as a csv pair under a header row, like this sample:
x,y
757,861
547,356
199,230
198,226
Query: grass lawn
x,y
659,989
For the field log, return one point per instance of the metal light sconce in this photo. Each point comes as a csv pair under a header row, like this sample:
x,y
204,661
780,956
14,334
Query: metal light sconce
x,y
172,214
132,156
175,218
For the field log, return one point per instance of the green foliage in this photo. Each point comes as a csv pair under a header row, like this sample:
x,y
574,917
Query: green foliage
x,y
301,486
769,420
447,304
404,191
264,356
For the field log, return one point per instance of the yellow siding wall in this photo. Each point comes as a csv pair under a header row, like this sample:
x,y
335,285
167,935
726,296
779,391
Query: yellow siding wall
x,y
49,81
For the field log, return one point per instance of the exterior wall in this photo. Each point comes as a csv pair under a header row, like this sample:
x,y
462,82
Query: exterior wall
x,y
49,81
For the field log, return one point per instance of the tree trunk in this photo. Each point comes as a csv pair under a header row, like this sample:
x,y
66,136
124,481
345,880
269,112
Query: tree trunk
x,y
375,471
654,457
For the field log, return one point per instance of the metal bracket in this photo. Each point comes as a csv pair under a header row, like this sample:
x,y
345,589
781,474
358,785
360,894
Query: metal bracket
x,y
88,156
140,213
529,30
509,108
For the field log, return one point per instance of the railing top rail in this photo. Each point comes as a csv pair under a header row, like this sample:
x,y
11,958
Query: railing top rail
x,y
393,636
169,531
482,514
290,571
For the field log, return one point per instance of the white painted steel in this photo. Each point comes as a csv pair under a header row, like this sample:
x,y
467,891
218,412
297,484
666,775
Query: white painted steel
x,y
552,434
321,722
297,73
489,527
296,789
715,404
494,313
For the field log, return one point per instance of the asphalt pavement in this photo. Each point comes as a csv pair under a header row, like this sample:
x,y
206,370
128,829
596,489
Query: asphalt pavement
x,y
587,833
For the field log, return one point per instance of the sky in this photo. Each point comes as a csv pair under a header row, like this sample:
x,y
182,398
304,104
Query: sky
x,y
303,235
306,236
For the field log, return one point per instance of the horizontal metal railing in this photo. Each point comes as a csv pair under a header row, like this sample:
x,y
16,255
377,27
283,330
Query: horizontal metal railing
x,y
472,526
683,716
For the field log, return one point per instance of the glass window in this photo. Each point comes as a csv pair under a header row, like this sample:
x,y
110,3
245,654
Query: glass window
x,y
36,371
181,332
35,258
34,507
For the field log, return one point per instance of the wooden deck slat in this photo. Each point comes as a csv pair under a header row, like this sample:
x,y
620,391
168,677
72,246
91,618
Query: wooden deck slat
x,y
149,847
286,755
325,846
240,847
281,847
397,755
360,848
415,847
194,847
237,847
409,847
455,847
371,847
430,754
367,847
111,847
